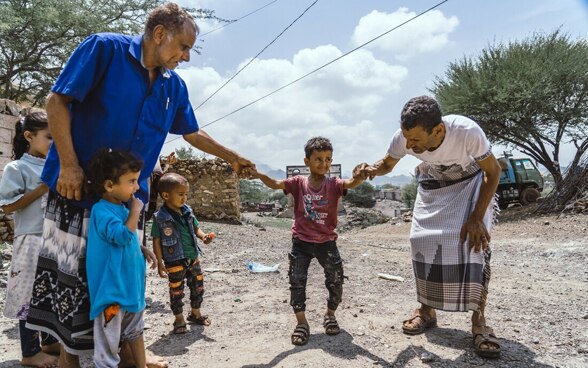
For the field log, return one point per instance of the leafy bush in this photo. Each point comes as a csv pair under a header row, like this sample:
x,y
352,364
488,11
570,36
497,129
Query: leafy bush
x,y
361,196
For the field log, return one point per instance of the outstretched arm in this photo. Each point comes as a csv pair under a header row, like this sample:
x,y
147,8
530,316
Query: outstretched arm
x,y
272,183
474,228
358,177
201,140
381,167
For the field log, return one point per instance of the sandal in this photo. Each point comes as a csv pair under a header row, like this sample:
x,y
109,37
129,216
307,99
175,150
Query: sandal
x,y
487,337
180,328
202,320
331,326
301,334
422,324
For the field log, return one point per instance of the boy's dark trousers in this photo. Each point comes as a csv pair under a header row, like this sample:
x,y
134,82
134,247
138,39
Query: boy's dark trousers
x,y
177,272
328,257
30,343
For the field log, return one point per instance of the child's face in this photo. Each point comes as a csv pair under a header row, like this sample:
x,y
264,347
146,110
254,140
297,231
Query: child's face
x,y
39,142
124,188
176,198
319,162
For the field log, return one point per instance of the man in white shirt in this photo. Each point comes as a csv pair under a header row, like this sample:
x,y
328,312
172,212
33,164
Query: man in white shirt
x,y
453,212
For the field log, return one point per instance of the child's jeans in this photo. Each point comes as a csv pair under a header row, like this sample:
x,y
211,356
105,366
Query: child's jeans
x,y
177,272
328,257
29,340
124,326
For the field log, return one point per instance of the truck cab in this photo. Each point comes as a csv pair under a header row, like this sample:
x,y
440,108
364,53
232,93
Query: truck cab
x,y
520,181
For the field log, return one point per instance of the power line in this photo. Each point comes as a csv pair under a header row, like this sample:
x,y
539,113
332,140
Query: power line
x,y
255,57
238,19
319,68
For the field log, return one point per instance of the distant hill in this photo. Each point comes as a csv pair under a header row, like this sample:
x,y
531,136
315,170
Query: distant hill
x,y
272,173
398,180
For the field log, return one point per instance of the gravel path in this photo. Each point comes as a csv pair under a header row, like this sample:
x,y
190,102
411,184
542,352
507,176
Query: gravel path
x,y
537,303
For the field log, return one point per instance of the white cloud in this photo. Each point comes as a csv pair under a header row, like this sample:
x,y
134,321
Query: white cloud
x,y
340,102
430,32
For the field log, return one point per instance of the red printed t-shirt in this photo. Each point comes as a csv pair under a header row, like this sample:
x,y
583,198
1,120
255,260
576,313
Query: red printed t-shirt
x,y
315,211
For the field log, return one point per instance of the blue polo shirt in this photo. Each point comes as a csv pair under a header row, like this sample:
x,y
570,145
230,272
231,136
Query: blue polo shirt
x,y
114,106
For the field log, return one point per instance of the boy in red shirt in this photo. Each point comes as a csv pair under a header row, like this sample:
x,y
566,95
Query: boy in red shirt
x,y
313,233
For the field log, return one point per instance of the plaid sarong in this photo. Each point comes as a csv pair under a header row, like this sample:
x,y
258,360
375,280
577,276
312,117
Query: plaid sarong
x,y
449,276
60,303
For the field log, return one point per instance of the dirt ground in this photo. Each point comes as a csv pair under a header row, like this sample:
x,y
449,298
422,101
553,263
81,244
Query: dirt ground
x,y
537,302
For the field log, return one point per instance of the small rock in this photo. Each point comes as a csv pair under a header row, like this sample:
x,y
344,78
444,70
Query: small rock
x,y
426,358
361,311
585,317
285,301
237,300
355,315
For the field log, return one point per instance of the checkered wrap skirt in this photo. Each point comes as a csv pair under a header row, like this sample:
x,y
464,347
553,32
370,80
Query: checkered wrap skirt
x,y
449,275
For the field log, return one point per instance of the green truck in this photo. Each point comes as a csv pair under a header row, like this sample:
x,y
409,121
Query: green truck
x,y
520,181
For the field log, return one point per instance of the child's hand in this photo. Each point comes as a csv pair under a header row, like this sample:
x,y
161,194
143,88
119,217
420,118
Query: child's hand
x,y
136,205
161,270
360,171
208,238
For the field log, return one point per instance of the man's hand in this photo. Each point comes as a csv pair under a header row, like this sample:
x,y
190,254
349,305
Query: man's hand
x,y
70,182
243,167
477,234
161,270
150,257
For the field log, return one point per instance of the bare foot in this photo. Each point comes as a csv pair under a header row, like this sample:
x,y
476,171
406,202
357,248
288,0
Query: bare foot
x,y
67,360
52,349
40,359
154,361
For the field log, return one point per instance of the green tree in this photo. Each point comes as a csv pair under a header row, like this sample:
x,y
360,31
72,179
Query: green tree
x,y
409,193
361,196
278,195
389,186
252,191
189,153
531,95
38,36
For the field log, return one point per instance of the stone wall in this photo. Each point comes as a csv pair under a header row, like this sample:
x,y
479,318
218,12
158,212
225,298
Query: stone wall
x,y
9,115
214,188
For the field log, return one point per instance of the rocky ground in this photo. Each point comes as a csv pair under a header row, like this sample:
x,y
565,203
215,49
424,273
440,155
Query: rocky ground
x,y
537,302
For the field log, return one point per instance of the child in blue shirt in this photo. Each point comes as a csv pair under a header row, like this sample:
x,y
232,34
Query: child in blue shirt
x,y
21,192
115,264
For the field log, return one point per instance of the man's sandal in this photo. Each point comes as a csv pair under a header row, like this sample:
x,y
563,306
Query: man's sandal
x,y
422,324
301,334
487,337
180,328
202,320
331,326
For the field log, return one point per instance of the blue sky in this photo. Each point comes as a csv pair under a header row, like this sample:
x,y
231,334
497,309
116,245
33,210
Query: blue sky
x,y
356,101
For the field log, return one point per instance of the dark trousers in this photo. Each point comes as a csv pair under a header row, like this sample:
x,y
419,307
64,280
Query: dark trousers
x,y
191,272
30,343
328,257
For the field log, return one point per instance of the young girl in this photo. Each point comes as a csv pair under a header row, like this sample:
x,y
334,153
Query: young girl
x,y
115,265
21,190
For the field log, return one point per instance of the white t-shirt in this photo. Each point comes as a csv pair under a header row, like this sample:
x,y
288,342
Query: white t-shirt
x,y
464,144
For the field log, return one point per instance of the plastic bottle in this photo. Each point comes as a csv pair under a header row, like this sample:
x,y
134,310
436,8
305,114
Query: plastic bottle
x,y
259,268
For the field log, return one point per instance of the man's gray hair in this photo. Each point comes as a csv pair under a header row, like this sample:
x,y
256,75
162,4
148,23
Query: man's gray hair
x,y
171,16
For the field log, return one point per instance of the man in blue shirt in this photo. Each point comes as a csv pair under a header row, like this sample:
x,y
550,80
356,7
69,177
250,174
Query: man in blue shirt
x,y
119,92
